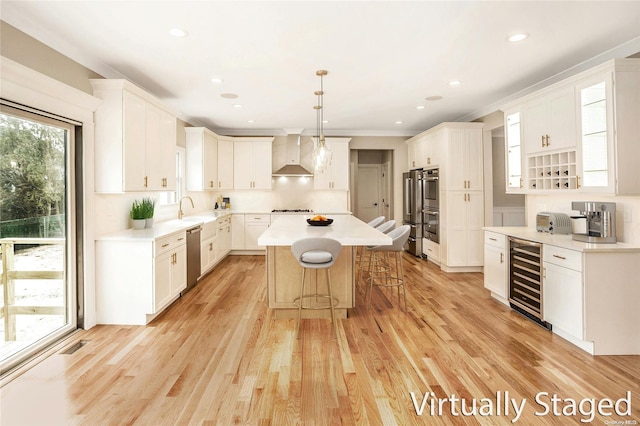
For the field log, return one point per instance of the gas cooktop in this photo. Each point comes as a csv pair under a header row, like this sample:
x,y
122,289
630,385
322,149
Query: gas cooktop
x,y
291,211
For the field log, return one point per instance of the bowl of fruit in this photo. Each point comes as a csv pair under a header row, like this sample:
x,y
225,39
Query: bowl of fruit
x,y
319,220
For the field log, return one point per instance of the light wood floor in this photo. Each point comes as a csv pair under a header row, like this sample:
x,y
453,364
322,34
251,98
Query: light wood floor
x,y
217,356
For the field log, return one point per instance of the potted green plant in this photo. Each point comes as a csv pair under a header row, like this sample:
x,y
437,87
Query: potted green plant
x,y
137,215
149,208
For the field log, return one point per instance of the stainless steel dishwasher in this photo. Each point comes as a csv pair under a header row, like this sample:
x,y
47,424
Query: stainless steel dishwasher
x,y
193,256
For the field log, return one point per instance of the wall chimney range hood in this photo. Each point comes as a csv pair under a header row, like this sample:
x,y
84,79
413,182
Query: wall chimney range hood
x,y
293,167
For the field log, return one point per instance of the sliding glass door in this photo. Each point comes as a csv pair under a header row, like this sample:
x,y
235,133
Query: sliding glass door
x,y
38,301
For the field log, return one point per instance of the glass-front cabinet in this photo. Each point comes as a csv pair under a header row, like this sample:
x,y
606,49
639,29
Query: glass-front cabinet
x,y
607,128
594,135
513,151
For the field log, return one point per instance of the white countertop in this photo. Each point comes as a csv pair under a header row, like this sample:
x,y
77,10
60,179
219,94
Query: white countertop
x,y
560,240
162,229
347,229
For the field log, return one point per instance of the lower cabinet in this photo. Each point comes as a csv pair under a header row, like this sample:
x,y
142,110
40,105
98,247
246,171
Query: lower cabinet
x,y
562,291
495,265
137,278
431,250
247,228
223,238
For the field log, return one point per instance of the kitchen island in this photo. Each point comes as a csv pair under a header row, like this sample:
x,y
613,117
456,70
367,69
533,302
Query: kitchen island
x,y
284,273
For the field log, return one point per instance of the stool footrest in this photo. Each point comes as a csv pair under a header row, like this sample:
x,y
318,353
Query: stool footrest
x,y
296,301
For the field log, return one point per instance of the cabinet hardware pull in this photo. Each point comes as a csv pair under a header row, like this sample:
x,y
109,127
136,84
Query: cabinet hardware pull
x,y
560,257
520,182
180,239
542,139
501,257
146,179
547,139
544,272
164,245
577,181
493,239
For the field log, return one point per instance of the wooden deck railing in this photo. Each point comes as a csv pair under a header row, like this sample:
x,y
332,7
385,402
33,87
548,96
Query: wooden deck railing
x,y
9,309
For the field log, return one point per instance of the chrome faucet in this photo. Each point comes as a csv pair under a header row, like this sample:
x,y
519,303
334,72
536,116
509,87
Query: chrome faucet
x,y
180,206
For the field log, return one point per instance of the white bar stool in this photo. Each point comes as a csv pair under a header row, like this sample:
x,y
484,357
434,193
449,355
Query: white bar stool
x,y
372,223
382,269
385,228
316,253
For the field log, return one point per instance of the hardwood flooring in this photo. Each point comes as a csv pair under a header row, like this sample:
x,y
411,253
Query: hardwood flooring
x,y
217,356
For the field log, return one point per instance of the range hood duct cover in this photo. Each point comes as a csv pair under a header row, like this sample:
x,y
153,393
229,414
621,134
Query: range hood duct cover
x,y
293,167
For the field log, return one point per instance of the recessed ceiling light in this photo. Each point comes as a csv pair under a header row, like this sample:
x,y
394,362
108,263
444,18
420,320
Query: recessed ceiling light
x,y
420,107
454,83
517,37
229,95
237,106
251,121
217,80
325,121
178,32
398,122
433,98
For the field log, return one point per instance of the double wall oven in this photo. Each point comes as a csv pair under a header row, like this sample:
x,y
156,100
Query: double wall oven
x,y
431,205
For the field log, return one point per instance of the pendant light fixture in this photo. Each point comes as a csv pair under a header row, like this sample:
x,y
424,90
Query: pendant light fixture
x,y
321,154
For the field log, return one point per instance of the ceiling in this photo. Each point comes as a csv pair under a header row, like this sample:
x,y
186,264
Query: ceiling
x,y
385,58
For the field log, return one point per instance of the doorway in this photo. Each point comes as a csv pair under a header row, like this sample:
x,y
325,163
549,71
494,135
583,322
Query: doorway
x,y
508,209
372,184
38,219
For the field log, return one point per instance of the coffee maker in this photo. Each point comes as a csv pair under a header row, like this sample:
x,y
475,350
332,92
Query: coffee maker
x,y
601,221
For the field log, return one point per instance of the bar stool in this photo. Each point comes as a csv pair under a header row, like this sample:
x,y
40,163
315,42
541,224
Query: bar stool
x,y
373,223
383,269
385,228
316,253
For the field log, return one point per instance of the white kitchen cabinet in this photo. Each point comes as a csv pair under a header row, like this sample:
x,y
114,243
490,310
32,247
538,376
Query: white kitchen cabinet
x,y
424,150
461,230
247,228
225,163
254,226
252,163
514,154
223,238
207,246
237,236
137,278
135,140
562,291
201,159
549,121
336,175
495,266
609,105
464,167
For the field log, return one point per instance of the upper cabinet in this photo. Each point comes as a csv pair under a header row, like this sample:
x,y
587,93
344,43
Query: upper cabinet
x,y
135,140
549,121
424,150
202,159
336,175
580,134
225,162
609,129
252,163
513,150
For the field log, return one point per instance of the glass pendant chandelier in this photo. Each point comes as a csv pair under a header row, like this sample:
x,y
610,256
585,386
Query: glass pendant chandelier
x,y
321,154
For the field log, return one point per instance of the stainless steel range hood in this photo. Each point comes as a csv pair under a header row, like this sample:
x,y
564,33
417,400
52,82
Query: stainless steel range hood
x,y
293,167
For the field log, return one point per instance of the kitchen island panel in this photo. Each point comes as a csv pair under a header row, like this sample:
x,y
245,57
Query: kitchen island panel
x,y
284,275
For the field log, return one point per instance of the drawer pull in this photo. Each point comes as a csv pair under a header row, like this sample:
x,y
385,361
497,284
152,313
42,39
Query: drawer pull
x,y
180,239
493,239
165,245
560,257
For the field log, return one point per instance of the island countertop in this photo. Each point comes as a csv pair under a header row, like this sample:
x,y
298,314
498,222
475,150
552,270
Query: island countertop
x,y
347,229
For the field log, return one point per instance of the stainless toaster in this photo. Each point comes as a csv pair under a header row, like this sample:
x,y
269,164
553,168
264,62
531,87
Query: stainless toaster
x,y
554,223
